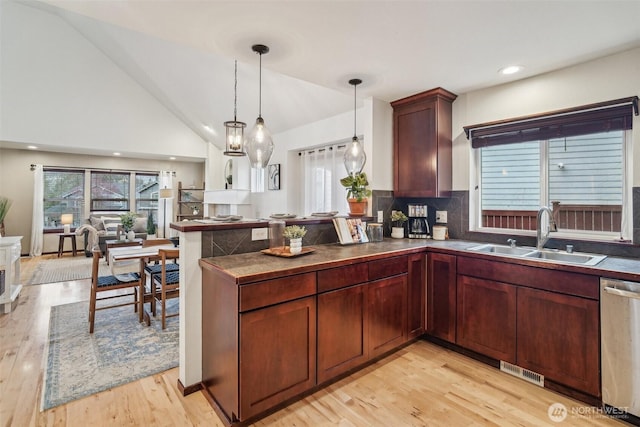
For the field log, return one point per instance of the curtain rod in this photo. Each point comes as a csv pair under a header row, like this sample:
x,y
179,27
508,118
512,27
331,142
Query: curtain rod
x,y
33,167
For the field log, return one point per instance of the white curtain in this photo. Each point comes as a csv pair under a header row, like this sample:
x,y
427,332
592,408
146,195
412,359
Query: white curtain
x,y
165,206
37,221
323,167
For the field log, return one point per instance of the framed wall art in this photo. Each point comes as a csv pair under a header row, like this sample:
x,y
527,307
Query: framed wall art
x,y
273,172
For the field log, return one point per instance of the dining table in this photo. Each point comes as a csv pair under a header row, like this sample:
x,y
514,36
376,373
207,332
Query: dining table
x,y
126,262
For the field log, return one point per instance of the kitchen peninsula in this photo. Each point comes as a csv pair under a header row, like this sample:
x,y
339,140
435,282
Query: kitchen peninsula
x,y
257,331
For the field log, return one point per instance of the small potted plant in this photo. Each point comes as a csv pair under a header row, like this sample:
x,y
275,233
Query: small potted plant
x,y
5,204
398,218
195,209
151,225
357,193
127,221
295,233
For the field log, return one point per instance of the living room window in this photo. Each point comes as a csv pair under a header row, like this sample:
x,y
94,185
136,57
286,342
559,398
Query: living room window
x,y
110,191
147,189
573,161
63,194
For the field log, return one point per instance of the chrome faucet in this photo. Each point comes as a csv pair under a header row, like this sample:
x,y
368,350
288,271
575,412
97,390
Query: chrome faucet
x,y
512,242
540,239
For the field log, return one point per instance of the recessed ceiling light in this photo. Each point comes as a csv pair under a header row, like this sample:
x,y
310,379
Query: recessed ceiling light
x,y
511,69
32,147
207,128
172,158
116,154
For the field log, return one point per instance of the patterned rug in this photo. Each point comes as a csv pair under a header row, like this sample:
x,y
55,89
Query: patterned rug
x,y
65,269
119,351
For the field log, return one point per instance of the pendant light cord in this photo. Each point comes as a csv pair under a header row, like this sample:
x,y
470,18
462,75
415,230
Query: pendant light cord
x,y
235,92
354,110
260,89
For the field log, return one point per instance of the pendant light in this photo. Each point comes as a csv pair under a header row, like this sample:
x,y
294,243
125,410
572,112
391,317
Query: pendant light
x,y
235,129
259,145
354,156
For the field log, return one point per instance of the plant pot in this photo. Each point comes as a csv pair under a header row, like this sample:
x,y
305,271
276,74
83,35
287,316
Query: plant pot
x,y
397,232
357,208
295,245
131,235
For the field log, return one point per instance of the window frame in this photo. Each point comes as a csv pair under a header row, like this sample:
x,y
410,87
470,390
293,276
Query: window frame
x,y
77,218
626,227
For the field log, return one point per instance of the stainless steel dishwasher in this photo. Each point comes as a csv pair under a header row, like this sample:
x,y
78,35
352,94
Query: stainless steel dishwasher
x,y
620,344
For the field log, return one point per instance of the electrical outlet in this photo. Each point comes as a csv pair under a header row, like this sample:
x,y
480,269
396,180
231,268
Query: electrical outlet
x,y
259,233
441,217
380,216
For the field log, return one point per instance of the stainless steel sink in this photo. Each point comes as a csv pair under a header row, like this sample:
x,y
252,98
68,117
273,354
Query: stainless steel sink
x,y
502,249
543,255
574,258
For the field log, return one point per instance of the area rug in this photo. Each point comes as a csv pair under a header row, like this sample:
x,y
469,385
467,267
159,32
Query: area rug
x,y
119,351
65,269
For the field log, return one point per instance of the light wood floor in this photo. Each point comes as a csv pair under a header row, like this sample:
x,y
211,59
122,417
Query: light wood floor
x,y
421,385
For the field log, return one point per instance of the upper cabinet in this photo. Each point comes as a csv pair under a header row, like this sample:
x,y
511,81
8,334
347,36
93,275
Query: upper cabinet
x,y
422,144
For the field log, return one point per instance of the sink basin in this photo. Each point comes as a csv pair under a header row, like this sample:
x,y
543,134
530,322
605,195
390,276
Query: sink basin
x,y
543,255
502,249
575,258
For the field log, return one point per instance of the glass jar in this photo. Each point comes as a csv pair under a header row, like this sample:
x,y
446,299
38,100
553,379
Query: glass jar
x,y
374,232
276,235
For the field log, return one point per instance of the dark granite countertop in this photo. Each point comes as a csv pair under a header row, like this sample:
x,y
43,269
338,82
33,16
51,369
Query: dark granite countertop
x,y
250,267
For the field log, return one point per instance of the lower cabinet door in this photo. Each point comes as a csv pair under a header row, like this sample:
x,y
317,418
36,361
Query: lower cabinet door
x,y
487,317
277,354
342,329
387,314
558,338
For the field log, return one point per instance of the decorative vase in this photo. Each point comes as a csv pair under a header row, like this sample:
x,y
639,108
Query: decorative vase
x,y
397,232
131,235
357,208
295,245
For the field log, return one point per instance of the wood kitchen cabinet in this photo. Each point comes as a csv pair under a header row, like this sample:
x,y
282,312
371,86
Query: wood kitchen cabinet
x,y
558,337
486,317
416,293
275,366
441,296
544,320
387,314
422,144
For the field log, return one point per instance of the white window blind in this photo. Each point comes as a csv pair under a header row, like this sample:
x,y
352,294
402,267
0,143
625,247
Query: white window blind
x,y
323,167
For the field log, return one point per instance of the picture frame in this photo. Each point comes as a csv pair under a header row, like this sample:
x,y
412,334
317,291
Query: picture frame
x,y
273,172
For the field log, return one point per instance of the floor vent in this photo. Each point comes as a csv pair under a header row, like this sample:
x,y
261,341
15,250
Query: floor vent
x,y
522,373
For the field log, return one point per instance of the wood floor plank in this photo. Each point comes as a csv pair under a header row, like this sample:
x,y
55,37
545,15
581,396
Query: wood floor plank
x,y
420,385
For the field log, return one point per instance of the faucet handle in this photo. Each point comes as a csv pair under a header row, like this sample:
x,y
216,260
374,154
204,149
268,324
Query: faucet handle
x,y
512,242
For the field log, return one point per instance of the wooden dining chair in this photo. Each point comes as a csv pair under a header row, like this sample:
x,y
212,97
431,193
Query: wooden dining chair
x,y
153,269
109,283
166,285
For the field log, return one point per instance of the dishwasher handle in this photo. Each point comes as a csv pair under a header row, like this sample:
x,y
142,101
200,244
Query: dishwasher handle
x,y
620,292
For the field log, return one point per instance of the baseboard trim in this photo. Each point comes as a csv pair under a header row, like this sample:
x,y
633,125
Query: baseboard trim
x,y
189,389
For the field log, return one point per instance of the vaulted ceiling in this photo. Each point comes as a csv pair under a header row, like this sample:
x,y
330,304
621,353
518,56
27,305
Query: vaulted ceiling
x,y
183,51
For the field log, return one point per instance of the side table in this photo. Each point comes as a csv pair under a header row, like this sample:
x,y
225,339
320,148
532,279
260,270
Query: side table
x,y
63,236
118,244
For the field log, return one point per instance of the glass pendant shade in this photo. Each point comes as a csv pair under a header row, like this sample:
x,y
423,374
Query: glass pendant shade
x,y
259,145
235,138
354,157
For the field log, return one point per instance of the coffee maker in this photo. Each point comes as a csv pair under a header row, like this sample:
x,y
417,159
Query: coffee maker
x,y
418,226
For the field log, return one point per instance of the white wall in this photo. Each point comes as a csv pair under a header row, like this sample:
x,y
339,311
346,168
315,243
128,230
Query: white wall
x,y
57,89
374,123
604,79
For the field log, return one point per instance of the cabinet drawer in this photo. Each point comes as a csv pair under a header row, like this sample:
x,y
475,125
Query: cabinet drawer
x,y
269,292
341,277
388,267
